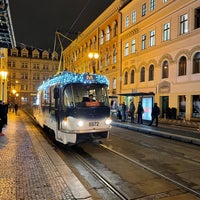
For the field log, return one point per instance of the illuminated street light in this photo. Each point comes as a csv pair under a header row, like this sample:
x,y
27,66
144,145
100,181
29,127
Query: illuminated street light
x,y
93,56
3,78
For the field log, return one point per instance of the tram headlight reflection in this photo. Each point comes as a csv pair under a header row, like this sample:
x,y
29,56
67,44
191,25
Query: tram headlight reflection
x,y
108,121
80,123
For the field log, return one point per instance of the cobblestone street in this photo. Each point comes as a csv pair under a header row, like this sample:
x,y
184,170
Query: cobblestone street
x,y
26,171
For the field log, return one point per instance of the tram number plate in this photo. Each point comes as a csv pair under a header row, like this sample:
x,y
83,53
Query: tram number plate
x,y
93,123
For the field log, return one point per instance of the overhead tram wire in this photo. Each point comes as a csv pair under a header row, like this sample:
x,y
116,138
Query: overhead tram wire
x,y
57,34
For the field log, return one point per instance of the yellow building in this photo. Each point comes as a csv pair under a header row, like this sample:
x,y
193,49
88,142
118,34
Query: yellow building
x,y
161,53
145,47
27,69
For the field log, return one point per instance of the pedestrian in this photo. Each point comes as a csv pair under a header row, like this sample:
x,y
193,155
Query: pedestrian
x,y
2,115
140,112
5,120
154,114
132,111
16,108
124,108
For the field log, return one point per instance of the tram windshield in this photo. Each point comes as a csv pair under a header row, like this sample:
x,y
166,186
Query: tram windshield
x,y
78,94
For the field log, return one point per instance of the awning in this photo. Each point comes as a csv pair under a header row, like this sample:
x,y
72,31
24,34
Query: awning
x,y
137,94
7,38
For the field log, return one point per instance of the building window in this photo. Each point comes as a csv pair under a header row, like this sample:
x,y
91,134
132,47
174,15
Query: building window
x,y
126,49
132,76
133,46
142,74
24,75
133,16
126,78
166,32
127,21
143,42
182,66
36,66
101,41
184,24
196,63
115,56
108,34
165,69
24,65
107,59
144,9
197,18
151,73
115,29
46,67
152,5
152,38
196,106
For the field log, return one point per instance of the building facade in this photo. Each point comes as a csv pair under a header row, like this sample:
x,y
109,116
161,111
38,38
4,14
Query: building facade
x,y
27,69
145,47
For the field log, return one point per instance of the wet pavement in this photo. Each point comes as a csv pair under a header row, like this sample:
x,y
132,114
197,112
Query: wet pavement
x,y
30,169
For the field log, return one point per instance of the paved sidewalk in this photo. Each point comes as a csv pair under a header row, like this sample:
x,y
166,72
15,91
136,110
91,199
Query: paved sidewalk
x,y
30,169
186,131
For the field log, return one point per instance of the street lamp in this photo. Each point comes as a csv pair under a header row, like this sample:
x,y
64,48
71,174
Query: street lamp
x,y
93,56
3,78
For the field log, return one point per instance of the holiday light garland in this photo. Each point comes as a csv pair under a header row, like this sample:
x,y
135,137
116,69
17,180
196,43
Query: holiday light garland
x,y
65,78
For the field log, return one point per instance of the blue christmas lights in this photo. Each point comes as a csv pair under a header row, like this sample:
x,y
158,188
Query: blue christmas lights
x,y
65,78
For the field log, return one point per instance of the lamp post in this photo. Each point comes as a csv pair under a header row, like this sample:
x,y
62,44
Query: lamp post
x,y
93,56
3,78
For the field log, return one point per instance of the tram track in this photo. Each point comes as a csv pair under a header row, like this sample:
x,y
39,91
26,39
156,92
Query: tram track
x,y
109,186
179,184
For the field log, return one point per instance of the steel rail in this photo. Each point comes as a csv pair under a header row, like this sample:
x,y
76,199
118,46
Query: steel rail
x,y
153,171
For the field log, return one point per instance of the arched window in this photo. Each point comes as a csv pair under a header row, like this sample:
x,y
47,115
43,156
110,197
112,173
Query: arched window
x,y
108,34
115,29
126,78
114,56
151,73
101,38
142,74
196,63
165,69
182,66
107,59
132,78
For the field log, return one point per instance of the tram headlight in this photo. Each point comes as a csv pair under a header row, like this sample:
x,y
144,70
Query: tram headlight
x,y
108,121
80,123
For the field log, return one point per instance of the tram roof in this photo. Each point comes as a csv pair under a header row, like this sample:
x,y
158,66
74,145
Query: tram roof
x,y
7,38
65,78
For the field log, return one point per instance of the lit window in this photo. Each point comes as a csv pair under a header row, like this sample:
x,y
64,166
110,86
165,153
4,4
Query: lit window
x,y
166,32
184,24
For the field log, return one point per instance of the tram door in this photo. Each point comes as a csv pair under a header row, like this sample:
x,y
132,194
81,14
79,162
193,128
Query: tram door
x,y
164,105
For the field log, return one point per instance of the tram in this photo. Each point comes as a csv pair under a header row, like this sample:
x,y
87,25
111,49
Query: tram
x,y
63,107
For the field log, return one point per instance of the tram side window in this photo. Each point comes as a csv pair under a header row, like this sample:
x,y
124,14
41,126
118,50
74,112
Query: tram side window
x,y
45,98
52,98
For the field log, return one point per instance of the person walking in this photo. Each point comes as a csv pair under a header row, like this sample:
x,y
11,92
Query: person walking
x,y
2,116
16,108
155,113
140,111
132,111
124,108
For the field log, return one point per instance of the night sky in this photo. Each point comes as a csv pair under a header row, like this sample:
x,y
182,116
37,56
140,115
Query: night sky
x,y
35,22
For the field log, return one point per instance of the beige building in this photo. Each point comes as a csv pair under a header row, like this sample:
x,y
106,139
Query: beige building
x,y
27,69
146,48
